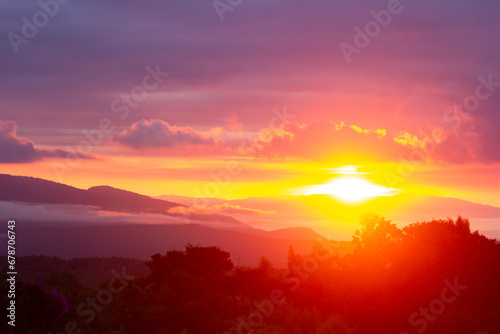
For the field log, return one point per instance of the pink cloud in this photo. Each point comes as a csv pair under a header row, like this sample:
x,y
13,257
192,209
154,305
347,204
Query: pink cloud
x,y
155,133
232,123
322,140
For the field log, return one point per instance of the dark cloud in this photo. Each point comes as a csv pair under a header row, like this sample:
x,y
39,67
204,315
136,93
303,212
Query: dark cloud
x,y
14,149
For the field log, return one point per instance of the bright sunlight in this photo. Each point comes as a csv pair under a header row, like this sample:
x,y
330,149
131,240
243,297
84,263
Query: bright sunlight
x,y
351,189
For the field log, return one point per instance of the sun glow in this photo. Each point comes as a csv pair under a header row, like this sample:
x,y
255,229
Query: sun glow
x,y
351,189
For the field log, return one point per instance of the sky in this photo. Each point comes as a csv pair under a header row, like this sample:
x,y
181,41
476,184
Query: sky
x,y
252,98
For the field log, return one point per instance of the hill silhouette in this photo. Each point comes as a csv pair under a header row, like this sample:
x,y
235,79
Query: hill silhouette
x,y
431,277
318,209
141,240
35,190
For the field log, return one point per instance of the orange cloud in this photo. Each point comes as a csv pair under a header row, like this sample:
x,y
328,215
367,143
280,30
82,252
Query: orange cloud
x,y
325,140
233,124
321,141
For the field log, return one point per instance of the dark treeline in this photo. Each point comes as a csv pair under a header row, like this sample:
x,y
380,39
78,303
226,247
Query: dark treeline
x,y
91,271
432,277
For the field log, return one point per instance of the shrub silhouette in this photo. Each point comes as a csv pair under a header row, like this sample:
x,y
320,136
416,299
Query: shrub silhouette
x,y
391,274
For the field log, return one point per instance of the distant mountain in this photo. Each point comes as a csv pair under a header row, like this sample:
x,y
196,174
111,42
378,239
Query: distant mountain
x,y
35,190
190,201
65,239
142,241
435,206
414,205
294,233
339,220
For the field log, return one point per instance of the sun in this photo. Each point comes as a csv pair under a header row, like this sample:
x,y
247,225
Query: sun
x,y
351,189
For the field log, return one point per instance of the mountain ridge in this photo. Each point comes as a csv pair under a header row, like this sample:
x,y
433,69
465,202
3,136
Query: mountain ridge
x,y
147,239
28,189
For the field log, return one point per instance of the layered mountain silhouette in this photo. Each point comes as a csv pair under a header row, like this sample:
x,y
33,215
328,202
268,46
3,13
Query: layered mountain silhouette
x,y
240,235
338,220
35,190
410,204
39,236
141,241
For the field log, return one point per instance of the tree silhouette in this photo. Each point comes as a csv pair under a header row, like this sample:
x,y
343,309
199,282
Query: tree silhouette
x,y
391,275
376,233
196,260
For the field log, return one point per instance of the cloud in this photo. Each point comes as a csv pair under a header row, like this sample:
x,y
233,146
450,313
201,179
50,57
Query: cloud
x,y
155,133
76,215
322,140
226,208
232,123
14,149
233,209
292,55
325,140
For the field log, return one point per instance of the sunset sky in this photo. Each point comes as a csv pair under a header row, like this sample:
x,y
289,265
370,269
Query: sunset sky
x,y
167,98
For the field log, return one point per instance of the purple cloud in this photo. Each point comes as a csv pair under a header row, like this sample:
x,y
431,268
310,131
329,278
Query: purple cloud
x,y
424,61
158,133
14,149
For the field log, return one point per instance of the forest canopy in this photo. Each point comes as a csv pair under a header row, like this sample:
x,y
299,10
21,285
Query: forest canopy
x,y
432,277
